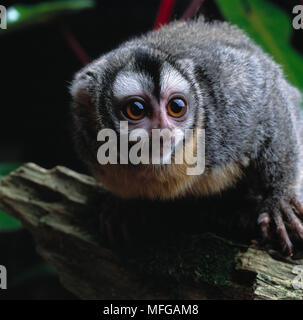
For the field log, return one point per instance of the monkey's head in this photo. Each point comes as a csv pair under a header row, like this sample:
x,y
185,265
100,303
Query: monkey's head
x,y
149,90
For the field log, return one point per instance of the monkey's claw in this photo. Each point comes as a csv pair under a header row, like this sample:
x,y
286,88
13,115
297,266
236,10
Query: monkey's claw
x,y
292,210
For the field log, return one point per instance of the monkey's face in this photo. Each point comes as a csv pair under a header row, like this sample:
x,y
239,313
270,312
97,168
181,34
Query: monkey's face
x,y
154,98
152,101
140,88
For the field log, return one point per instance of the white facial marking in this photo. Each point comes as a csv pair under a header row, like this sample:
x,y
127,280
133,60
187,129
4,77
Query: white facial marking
x,y
172,80
130,83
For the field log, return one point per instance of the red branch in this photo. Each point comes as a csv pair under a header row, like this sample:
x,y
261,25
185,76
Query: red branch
x,y
164,13
75,45
192,9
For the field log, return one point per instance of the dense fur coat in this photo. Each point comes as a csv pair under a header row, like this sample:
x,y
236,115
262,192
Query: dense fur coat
x,y
238,94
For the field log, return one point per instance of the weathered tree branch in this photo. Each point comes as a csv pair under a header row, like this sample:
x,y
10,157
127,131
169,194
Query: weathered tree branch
x,y
61,210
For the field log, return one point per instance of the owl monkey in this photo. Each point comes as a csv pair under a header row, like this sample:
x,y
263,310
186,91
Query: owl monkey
x,y
192,75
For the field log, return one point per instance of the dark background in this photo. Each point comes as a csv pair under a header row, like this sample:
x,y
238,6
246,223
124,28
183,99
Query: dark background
x,y
36,67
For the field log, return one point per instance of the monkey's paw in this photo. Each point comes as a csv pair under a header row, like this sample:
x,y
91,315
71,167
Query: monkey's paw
x,y
289,208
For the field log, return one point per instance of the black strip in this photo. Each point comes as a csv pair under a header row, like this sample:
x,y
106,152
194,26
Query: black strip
x,y
150,65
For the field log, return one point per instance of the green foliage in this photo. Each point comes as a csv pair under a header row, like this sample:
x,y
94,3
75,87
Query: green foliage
x,y
7,222
19,16
31,273
6,168
271,28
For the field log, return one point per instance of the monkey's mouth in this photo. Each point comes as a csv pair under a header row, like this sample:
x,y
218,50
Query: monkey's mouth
x,y
148,154
162,154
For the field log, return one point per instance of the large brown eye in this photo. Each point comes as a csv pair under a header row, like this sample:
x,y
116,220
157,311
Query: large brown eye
x,y
134,110
176,107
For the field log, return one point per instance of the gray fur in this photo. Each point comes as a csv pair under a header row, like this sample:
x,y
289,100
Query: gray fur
x,y
239,94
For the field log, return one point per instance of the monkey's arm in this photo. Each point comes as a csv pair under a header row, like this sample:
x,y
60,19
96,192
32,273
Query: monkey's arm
x,y
278,170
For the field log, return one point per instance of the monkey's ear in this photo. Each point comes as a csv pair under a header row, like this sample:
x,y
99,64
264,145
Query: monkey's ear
x,y
84,85
80,89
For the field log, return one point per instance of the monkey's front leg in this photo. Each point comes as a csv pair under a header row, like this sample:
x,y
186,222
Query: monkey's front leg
x,y
289,208
281,203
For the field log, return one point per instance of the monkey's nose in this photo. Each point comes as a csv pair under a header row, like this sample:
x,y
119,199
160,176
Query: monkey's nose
x,y
159,120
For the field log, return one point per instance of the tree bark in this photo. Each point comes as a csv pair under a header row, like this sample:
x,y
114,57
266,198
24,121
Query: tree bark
x,y
61,209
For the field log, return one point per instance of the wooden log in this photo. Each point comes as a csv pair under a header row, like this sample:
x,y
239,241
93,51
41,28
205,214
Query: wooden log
x,y
61,209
